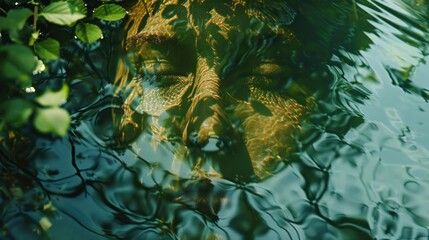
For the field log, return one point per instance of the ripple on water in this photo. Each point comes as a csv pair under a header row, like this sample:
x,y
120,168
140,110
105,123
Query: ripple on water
x,y
361,172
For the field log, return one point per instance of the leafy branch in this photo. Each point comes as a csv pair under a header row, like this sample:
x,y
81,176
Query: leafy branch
x,y
27,51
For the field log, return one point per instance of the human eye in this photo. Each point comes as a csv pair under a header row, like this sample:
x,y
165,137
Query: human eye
x,y
268,76
159,67
159,72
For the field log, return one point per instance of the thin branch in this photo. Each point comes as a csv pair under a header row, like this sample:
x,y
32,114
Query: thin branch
x,y
4,11
36,16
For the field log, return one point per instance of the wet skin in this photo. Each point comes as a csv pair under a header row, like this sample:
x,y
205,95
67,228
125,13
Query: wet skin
x,y
218,81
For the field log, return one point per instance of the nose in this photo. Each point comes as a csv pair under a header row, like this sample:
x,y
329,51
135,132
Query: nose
x,y
207,125
209,129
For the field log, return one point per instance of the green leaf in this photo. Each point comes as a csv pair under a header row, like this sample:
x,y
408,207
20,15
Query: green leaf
x,y
54,98
17,62
87,32
48,49
15,19
80,4
110,12
52,120
16,112
21,36
18,17
62,13
5,24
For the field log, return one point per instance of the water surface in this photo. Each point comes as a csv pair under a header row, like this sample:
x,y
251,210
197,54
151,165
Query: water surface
x,y
359,170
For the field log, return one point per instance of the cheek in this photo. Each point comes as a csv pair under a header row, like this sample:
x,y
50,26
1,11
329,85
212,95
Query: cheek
x,y
153,111
156,101
270,139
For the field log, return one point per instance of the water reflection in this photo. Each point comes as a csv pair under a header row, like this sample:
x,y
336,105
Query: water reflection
x,y
216,81
242,121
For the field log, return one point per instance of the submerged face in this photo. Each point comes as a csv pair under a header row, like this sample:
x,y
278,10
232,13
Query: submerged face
x,y
219,82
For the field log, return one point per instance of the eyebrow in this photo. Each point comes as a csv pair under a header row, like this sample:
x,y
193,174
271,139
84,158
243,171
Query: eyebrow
x,y
144,40
169,40
161,37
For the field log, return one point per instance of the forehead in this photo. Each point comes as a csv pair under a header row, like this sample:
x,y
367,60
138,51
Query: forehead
x,y
226,32
210,17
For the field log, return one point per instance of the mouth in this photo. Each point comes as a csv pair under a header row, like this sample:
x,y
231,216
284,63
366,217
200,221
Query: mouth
x,y
238,156
220,157
235,160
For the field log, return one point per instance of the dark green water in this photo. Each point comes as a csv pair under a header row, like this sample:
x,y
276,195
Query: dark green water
x,y
359,168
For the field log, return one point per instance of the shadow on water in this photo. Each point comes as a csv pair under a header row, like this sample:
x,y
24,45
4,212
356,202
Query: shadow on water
x,y
346,158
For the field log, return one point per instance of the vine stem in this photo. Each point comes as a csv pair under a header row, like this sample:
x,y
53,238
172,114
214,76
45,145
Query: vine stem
x,y
36,16
4,11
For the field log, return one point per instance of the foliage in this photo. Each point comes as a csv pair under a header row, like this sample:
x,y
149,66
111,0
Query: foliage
x,y
30,49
